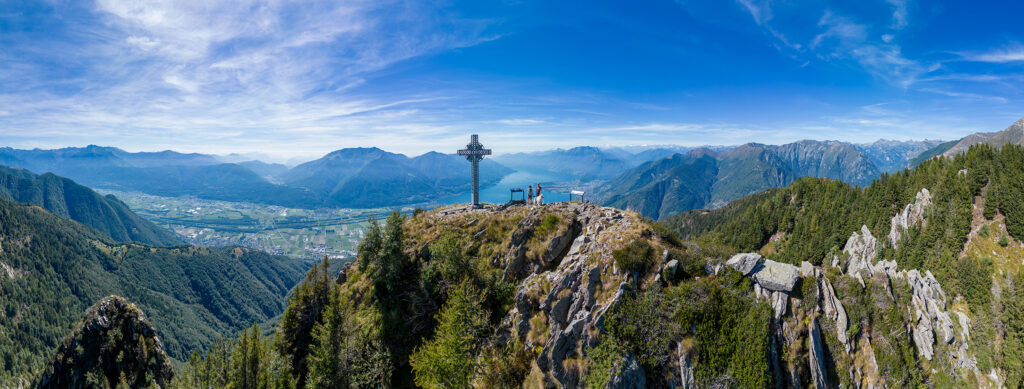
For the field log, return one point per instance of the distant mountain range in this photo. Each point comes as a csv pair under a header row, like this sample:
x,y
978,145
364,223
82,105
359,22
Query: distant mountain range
x,y
65,198
349,178
370,177
585,163
891,155
1014,134
705,178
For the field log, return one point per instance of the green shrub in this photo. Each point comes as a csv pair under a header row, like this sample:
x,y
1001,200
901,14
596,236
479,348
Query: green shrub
x,y
984,231
449,359
637,256
603,359
548,225
665,233
1004,241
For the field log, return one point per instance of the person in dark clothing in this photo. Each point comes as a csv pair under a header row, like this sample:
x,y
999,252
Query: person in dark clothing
x,y
529,195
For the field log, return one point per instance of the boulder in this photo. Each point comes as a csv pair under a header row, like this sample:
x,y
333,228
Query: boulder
x,y
776,276
745,263
343,273
629,375
806,269
560,244
670,271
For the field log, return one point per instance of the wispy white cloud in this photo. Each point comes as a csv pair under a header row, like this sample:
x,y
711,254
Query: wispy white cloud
x,y
520,122
760,10
1013,53
844,38
203,74
899,13
965,95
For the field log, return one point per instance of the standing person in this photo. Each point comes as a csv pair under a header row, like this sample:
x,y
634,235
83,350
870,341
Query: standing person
x,y
529,195
540,197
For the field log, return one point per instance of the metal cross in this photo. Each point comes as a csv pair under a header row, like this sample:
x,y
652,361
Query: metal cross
x,y
474,153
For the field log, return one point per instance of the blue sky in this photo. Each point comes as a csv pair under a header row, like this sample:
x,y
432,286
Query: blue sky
x,y
299,79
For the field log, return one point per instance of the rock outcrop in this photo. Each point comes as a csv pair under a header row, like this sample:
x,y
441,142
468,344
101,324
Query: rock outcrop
x,y
97,349
819,369
862,249
912,215
573,294
931,320
773,281
745,263
687,375
629,376
833,309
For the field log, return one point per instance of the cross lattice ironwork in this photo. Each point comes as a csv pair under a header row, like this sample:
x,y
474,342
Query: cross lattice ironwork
x,y
474,153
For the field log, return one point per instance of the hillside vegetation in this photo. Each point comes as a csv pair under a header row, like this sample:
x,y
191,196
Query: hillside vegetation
x,y
910,282
564,294
960,219
67,199
52,269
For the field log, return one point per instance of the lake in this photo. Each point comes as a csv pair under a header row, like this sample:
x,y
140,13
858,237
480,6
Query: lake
x,y
555,188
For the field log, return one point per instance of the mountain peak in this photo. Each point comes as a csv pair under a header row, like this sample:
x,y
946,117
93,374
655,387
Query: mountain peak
x,y
356,152
95,349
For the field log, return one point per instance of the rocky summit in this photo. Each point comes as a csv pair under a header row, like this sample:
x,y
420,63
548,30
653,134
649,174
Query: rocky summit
x,y
113,345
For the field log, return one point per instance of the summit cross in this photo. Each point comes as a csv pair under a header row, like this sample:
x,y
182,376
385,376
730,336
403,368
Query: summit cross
x,y
474,153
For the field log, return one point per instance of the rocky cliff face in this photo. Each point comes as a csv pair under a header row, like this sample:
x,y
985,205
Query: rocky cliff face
x,y
567,279
916,302
857,320
113,345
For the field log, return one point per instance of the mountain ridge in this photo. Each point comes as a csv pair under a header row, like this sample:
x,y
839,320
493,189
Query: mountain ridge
x,y
65,198
661,188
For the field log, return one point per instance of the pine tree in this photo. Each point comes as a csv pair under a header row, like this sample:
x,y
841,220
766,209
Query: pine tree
x,y
449,359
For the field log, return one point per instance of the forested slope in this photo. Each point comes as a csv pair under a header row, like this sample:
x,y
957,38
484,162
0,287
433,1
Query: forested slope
x,y
960,219
67,199
52,269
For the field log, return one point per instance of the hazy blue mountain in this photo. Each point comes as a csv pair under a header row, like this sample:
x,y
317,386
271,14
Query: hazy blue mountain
x,y
269,171
165,173
704,178
65,198
371,177
357,177
450,172
892,156
228,181
578,163
932,153
680,181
